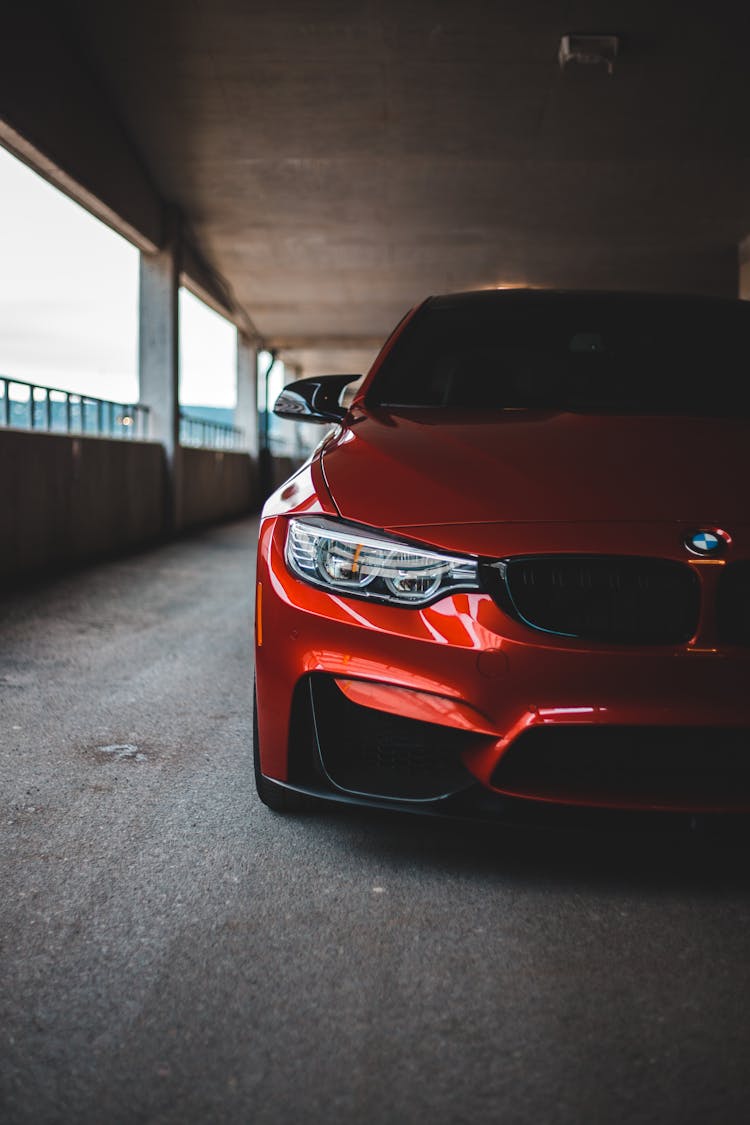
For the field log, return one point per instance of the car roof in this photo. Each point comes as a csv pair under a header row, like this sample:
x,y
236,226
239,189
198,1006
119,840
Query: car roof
x,y
488,297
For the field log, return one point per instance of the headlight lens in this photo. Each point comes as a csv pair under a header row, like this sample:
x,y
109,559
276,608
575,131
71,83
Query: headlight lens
x,y
341,557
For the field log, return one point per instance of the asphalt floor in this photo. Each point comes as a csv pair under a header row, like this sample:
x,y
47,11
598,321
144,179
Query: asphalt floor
x,y
173,952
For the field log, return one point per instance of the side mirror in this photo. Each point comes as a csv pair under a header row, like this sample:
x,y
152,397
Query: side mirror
x,y
314,400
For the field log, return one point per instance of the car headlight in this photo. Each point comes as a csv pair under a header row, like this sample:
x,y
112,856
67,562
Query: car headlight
x,y
344,558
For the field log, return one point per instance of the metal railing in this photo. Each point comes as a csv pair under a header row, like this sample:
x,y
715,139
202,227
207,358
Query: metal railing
x,y
208,434
29,406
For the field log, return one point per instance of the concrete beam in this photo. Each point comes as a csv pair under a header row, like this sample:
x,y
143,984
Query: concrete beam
x,y
323,343
159,360
197,276
55,117
58,119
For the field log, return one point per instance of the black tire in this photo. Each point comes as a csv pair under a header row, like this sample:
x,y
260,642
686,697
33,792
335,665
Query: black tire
x,y
273,796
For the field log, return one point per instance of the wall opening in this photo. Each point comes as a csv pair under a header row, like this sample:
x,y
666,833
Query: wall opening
x,y
208,375
68,312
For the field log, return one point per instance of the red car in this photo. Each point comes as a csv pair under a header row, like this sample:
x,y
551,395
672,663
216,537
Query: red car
x,y
516,572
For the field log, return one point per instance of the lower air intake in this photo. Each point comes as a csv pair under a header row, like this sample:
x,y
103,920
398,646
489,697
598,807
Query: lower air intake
x,y
364,751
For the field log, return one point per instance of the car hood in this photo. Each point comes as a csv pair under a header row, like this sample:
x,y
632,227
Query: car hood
x,y
436,467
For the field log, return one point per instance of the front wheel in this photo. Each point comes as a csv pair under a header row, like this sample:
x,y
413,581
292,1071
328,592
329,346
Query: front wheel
x,y
273,796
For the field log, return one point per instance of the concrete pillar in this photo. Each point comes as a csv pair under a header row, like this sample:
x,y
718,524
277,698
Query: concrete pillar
x,y
159,358
744,269
246,413
265,460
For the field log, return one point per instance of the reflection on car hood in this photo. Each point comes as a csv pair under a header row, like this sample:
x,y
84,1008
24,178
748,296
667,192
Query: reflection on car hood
x,y
439,467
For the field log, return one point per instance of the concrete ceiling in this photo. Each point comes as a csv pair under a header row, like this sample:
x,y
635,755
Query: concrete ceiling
x,y
338,160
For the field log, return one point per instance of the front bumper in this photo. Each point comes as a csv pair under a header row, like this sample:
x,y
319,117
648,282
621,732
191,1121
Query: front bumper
x,y
483,682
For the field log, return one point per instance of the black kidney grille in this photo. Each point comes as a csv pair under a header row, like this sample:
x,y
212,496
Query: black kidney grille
x,y
733,604
623,600
367,751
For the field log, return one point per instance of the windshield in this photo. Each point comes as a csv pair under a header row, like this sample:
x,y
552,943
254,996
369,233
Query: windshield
x,y
595,353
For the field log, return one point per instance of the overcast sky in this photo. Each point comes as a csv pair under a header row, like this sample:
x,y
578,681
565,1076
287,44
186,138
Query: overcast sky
x,y
68,302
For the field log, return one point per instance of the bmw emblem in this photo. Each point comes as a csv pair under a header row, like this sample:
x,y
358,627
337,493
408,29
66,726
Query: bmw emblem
x,y
705,543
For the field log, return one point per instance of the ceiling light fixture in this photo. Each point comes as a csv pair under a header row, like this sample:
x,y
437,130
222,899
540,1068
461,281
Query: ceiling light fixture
x,y
589,50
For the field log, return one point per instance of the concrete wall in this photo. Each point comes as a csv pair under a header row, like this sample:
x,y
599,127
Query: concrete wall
x,y
216,484
67,499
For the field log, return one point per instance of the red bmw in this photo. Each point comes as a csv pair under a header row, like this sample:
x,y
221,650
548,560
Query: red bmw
x,y
516,572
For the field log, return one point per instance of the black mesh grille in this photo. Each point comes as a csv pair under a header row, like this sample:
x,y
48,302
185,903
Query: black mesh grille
x,y
623,600
733,606
367,751
688,767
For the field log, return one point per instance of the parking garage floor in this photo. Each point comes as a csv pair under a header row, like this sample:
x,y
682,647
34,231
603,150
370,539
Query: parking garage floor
x,y
174,952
